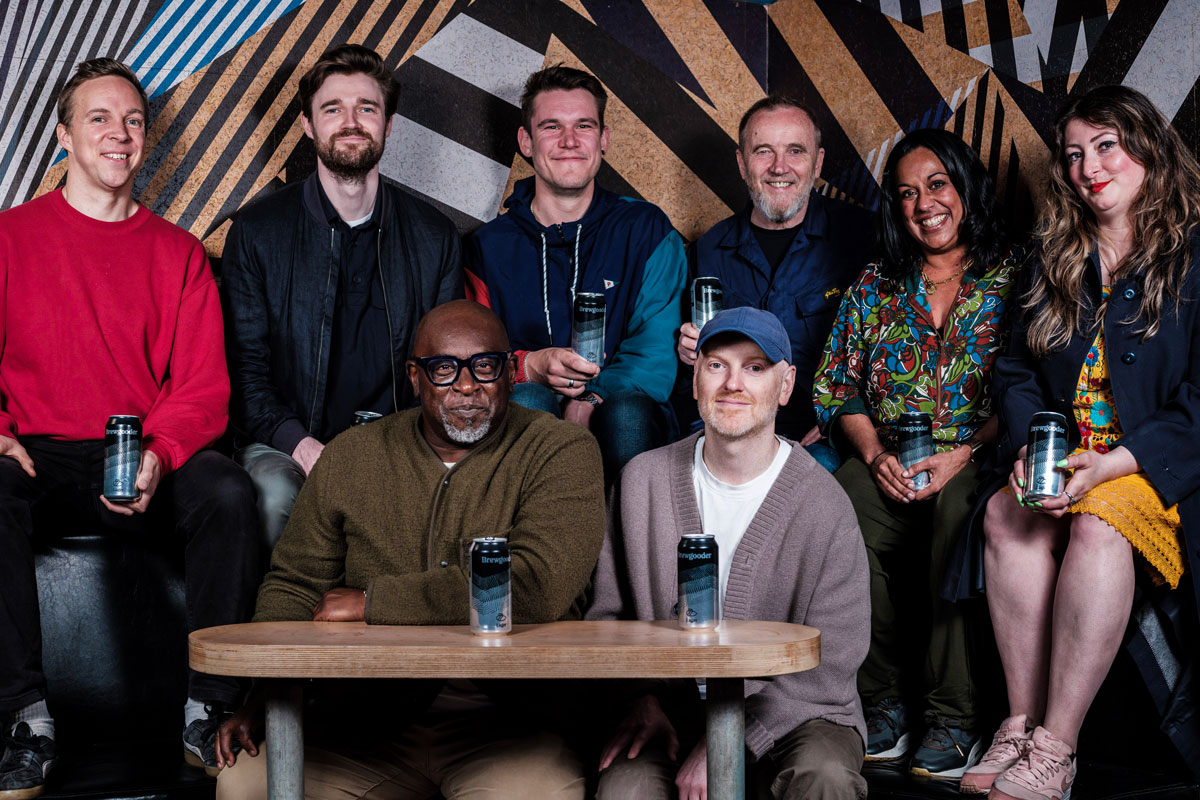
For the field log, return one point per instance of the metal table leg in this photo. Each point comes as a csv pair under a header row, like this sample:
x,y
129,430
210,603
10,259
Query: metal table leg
x,y
285,740
726,710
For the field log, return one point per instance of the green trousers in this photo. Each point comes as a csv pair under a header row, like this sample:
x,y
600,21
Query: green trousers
x,y
919,649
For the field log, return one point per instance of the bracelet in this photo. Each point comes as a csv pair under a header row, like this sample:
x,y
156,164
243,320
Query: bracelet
x,y
875,460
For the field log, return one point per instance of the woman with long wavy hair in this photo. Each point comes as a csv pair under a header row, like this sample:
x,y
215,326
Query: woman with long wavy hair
x,y
1107,336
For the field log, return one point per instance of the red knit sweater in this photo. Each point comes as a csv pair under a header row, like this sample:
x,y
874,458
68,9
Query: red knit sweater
x,y
101,318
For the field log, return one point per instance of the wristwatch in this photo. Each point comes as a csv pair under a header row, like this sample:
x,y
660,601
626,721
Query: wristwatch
x,y
590,397
974,444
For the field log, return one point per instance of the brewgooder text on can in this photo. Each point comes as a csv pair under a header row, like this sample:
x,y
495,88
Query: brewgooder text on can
x,y
587,326
707,300
914,438
122,457
699,582
491,586
1047,446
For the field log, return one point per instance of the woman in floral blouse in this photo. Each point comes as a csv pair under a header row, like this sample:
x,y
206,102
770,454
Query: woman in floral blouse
x,y
919,331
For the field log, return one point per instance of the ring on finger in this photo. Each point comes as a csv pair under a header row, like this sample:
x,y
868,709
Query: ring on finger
x,y
1070,497
570,383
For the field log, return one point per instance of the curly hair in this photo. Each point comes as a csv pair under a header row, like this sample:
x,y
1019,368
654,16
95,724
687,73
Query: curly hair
x,y
981,230
1163,215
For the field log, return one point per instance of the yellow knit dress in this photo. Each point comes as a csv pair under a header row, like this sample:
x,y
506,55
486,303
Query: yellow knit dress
x,y
1130,504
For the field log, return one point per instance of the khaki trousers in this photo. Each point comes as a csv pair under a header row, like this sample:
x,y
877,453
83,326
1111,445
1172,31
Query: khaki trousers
x,y
460,756
817,761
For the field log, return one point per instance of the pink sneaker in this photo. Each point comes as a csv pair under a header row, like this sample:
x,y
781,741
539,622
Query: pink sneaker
x,y
1011,742
1045,772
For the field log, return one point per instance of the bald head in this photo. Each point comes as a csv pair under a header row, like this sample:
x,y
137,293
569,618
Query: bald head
x,y
458,415
459,320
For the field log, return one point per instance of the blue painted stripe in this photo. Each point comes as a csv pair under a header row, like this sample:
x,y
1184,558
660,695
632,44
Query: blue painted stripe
x,y
177,21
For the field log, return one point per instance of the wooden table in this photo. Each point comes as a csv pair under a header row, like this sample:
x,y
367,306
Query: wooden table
x,y
280,652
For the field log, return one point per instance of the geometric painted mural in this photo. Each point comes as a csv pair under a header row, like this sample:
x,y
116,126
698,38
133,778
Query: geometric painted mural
x,y
222,76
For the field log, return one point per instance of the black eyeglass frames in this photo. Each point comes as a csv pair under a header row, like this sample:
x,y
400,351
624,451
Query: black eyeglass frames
x,y
444,370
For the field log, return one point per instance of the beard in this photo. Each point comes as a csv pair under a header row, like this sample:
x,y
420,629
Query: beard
x,y
778,214
468,434
735,427
350,165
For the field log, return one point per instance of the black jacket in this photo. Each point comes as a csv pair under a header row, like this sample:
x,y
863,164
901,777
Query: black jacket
x,y
1156,384
279,281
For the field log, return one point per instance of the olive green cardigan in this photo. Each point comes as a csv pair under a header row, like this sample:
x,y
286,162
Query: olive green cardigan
x,y
381,512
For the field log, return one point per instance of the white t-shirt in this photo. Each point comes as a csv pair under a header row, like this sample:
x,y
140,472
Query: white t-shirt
x,y
727,509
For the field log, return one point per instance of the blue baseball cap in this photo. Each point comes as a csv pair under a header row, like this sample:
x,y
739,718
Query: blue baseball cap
x,y
761,327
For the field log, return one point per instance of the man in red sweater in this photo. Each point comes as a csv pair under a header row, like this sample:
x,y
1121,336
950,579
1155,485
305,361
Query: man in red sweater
x,y
107,309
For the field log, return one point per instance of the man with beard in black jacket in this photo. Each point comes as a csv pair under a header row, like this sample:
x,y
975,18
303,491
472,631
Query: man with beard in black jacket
x,y
324,283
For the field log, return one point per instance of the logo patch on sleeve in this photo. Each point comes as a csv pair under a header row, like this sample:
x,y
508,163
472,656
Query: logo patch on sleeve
x,y
609,284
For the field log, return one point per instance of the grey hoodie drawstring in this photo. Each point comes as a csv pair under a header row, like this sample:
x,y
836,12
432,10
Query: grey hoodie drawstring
x,y
546,282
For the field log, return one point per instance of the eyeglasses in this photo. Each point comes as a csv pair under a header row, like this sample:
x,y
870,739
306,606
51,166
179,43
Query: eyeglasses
x,y
444,370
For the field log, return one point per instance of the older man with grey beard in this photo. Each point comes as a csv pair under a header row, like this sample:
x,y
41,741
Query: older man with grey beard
x,y
792,251
381,532
788,551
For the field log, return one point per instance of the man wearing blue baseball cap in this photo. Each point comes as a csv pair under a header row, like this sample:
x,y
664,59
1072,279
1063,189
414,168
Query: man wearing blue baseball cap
x,y
789,550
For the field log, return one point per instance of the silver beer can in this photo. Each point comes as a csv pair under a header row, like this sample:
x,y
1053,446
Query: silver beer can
x,y
914,439
587,326
699,582
491,586
707,300
1047,446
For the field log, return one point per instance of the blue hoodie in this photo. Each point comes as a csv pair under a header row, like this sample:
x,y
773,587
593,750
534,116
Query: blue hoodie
x,y
625,249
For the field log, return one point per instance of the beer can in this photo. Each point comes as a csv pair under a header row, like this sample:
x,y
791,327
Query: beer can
x,y
1047,446
587,326
699,582
122,457
363,417
491,586
707,298
914,437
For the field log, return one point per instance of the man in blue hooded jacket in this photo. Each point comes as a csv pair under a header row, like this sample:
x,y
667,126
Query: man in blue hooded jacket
x,y
563,235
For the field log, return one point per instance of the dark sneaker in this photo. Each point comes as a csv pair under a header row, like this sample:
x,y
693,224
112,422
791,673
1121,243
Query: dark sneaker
x,y
947,751
200,740
26,763
887,731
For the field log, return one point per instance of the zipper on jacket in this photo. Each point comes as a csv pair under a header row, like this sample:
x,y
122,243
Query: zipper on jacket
x,y
312,415
431,533
387,312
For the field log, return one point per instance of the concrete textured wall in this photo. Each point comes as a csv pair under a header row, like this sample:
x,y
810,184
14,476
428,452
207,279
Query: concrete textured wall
x,y
222,77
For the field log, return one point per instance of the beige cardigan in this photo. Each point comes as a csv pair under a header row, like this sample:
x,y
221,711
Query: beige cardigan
x,y
801,560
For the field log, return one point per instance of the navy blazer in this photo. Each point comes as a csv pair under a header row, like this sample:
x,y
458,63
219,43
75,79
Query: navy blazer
x,y
1156,385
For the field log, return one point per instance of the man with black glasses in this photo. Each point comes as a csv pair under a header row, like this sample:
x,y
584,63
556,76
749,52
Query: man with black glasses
x,y
381,532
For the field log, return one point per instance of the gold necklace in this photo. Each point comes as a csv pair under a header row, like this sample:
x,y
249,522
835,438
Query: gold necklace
x,y
931,285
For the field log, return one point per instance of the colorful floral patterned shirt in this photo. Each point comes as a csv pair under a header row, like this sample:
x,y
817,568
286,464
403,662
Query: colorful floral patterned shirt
x,y
885,356
1095,407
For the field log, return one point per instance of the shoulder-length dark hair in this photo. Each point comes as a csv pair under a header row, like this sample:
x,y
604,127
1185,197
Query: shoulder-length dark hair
x,y
982,229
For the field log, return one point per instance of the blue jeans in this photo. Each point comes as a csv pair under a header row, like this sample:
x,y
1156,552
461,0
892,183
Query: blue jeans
x,y
625,424
277,477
